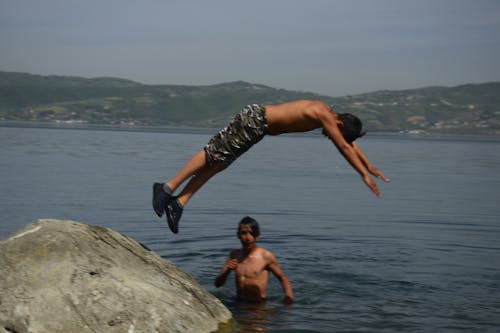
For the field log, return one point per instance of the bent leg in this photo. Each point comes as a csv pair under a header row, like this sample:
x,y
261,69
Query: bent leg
x,y
198,180
175,207
199,172
193,166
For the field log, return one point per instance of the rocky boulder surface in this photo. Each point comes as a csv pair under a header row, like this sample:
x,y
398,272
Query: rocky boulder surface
x,y
65,276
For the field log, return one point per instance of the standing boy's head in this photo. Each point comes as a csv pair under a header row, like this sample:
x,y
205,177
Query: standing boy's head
x,y
352,127
251,223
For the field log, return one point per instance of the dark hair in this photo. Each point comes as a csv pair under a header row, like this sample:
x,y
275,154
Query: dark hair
x,y
254,225
353,128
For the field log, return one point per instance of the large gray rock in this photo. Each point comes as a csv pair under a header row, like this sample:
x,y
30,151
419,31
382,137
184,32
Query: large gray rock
x,y
65,276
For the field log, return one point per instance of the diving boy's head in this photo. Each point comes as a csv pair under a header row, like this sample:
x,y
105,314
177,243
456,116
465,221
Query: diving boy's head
x,y
251,223
351,128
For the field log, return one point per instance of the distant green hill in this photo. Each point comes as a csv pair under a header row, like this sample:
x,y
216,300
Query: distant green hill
x,y
472,108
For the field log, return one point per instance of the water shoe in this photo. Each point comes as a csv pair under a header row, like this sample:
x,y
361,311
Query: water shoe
x,y
174,212
160,199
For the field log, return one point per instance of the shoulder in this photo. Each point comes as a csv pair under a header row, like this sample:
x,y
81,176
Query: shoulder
x,y
267,255
318,110
322,109
312,105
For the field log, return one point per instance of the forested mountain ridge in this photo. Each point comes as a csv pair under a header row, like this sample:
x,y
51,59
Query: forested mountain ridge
x,y
470,108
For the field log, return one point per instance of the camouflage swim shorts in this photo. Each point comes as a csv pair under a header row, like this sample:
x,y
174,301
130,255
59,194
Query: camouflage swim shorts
x,y
246,129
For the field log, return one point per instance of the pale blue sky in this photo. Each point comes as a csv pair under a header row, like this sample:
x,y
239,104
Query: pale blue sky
x,y
323,46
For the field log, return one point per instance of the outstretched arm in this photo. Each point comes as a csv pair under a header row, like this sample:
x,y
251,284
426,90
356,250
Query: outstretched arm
x,y
374,171
330,128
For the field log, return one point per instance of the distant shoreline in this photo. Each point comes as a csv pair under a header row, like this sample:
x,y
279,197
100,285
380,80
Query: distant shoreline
x,y
213,130
104,127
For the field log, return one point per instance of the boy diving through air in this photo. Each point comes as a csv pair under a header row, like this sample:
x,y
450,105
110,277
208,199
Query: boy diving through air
x,y
246,129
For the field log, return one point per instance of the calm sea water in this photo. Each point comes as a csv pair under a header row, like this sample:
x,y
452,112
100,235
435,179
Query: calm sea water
x,y
425,257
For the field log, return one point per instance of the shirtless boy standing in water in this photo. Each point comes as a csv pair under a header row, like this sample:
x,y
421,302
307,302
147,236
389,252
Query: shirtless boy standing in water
x,y
252,265
249,127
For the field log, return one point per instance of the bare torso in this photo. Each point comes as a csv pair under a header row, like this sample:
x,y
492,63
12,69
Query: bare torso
x,y
298,116
252,274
